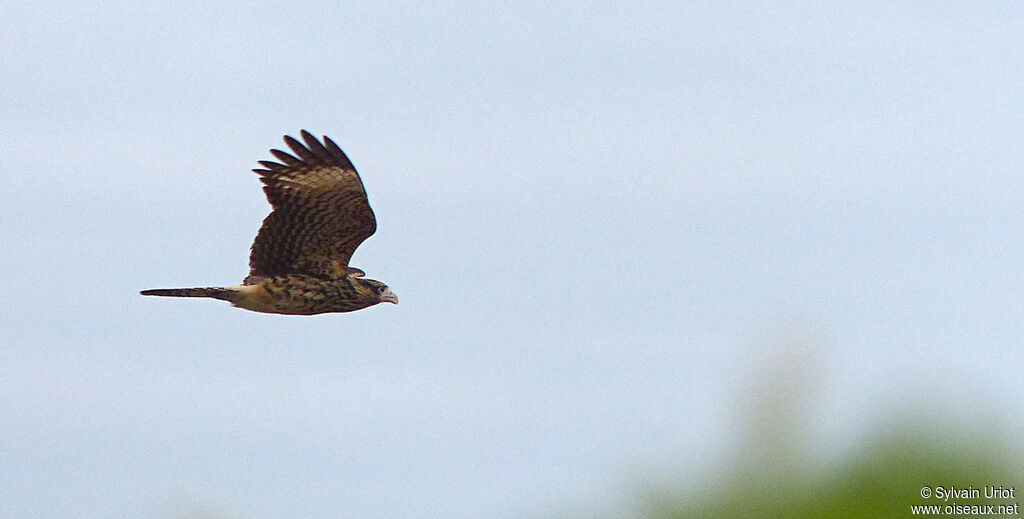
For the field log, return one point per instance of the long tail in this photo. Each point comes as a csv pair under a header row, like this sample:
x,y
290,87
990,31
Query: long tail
x,y
214,292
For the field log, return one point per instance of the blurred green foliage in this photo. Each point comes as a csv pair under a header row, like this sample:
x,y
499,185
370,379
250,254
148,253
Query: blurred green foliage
x,y
881,480
776,475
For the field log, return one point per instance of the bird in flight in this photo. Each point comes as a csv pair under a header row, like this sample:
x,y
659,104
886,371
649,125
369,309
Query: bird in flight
x,y
299,260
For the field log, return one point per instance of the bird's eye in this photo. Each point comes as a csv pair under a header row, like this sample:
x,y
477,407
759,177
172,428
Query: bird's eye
x,y
381,289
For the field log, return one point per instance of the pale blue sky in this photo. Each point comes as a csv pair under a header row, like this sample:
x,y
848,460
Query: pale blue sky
x,y
597,220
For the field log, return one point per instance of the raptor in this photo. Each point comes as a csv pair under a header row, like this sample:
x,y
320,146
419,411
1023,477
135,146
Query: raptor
x,y
299,261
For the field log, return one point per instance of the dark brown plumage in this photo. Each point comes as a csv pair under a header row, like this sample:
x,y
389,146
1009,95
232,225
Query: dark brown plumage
x,y
299,260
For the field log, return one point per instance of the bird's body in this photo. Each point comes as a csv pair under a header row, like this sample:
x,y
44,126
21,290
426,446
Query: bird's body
x,y
298,295
299,260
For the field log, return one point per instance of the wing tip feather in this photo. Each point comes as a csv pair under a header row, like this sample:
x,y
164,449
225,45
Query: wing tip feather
x,y
313,153
300,150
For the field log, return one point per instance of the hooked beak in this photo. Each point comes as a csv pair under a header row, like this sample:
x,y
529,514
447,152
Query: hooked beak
x,y
388,297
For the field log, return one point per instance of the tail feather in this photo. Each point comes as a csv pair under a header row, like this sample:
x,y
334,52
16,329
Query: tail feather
x,y
214,292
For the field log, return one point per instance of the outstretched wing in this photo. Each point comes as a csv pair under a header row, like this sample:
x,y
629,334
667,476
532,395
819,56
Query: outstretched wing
x,y
320,214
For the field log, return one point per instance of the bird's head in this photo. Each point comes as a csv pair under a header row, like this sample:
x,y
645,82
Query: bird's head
x,y
380,290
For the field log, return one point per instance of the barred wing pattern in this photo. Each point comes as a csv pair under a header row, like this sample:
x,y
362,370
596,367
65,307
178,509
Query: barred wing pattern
x,y
321,213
